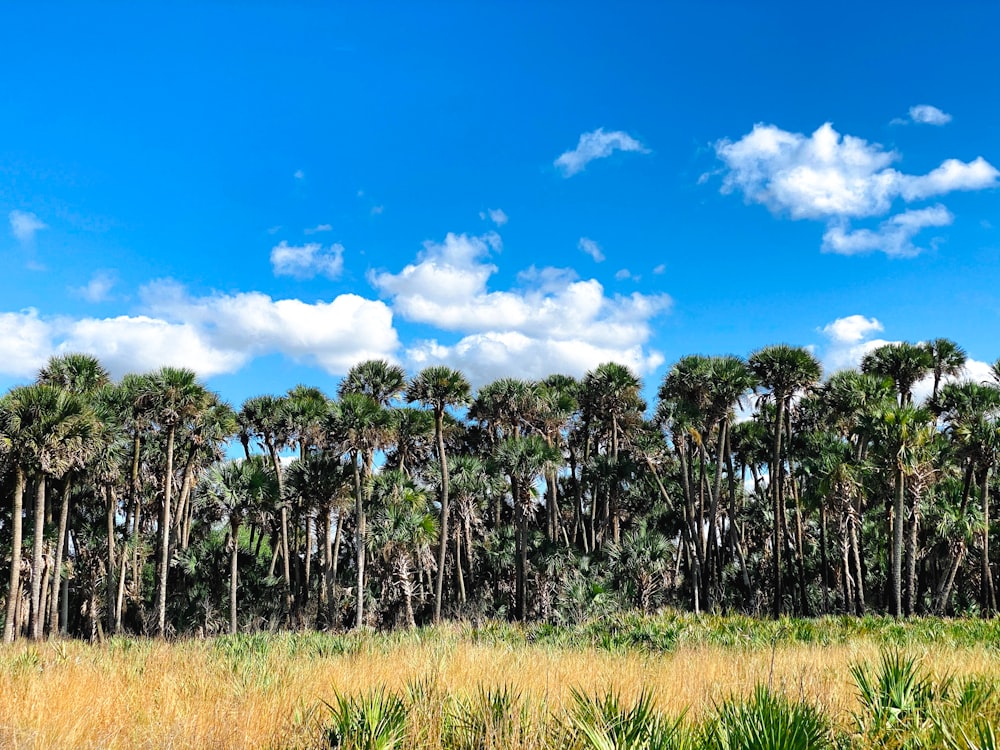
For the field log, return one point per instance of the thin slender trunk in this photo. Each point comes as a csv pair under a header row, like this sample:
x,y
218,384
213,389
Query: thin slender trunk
x,y
233,565
168,486
896,576
111,504
36,614
361,533
285,569
443,539
988,593
13,590
54,624
777,502
910,604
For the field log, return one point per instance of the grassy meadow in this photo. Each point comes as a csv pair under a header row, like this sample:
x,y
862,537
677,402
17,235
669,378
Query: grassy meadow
x,y
501,685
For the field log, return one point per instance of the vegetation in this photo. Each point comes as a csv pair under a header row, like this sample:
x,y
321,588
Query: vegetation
x,y
404,501
673,680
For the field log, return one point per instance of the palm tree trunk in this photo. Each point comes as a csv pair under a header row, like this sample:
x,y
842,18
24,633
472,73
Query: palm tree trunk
x,y
54,625
776,501
233,565
896,576
988,593
361,533
859,579
910,604
161,597
285,570
37,563
111,504
443,531
13,595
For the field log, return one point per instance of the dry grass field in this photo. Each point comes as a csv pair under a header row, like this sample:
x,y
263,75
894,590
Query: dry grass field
x,y
271,690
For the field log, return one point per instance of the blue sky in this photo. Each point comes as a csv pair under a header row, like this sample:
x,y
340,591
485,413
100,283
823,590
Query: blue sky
x,y
268,193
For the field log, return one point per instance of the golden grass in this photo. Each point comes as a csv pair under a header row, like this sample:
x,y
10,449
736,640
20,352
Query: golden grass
x,y
196,694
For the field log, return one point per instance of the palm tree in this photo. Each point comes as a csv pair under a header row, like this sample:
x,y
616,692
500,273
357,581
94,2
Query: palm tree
x,y
440,387
904,363
376,378
46,429
783,370
972,413
83,375
268,419
360,425
523,459
178,397
237,489
903,430
403,529
639,562
947,360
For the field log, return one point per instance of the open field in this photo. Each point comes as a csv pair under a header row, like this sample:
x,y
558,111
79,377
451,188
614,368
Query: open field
x,y
269,690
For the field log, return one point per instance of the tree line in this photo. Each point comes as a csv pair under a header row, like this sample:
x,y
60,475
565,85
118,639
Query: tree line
x,y
400,501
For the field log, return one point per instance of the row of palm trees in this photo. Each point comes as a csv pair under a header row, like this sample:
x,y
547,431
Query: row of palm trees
x,y
405,500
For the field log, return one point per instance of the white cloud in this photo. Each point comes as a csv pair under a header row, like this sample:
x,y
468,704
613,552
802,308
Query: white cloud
x,y
496,215
488,356
591,248
849,341
299,174
851,330
99,287
894,237
211,335
660,269
25,342
553,316
622,274
307,261
24,225
319,228
596,145
835,179
926,114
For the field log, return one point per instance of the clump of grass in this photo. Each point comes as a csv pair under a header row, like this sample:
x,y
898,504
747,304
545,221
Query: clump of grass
x,y
491,719
606,723
896,698
767,721
376,721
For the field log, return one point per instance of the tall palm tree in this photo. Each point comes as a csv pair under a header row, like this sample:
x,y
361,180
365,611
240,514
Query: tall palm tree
x,y
904,363
378,379
784,371
903,430
83,375
360,425
267,418
46,428
523,459
403,529
947,360
237,489
177,397
440,387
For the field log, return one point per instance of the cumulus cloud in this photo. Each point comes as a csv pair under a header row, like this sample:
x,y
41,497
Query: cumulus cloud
x,y
25,342
833,178
851,330
591,248
924,114
307,261
24,225
893,237
98,289
570,324
849,339
596,145
212,335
